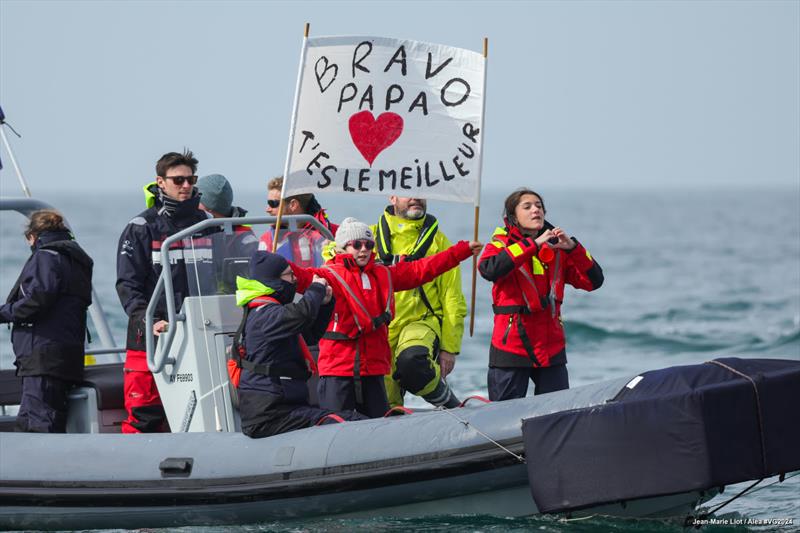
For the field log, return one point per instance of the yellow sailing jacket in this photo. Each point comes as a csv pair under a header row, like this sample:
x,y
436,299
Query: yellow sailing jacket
x,y
444,293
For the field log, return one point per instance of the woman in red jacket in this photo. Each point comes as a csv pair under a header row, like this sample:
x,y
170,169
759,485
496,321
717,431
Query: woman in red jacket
x,y
529,261
354,353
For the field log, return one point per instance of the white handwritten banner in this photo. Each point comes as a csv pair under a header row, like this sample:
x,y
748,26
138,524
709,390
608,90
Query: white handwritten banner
x,y
386,116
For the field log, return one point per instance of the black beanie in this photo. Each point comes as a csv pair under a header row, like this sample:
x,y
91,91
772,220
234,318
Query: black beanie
x,y
267,267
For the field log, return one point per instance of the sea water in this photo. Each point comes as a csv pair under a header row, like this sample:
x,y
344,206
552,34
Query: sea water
x,y
690,275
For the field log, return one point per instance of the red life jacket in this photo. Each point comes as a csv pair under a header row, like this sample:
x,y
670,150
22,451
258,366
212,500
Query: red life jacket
x,y
305,244
356,341
527,303
531,279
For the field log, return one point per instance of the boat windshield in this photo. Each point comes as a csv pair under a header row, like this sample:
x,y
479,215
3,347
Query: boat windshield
x,y
215,258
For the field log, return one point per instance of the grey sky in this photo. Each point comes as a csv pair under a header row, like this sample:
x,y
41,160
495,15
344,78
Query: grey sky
x,y
580,94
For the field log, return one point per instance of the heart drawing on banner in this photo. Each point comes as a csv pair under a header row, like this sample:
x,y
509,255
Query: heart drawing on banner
x,y
372,136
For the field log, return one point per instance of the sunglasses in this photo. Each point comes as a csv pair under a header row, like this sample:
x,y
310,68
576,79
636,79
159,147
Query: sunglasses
x,y
274,204
178,180
369,245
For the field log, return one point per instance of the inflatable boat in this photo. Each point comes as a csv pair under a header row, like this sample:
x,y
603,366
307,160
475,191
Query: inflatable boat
x,y
656,444
603,448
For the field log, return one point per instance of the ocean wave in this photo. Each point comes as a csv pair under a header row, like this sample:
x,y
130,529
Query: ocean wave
x,y
583,332
588,333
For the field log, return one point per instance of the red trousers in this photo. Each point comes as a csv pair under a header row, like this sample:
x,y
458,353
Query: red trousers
x,y
142,401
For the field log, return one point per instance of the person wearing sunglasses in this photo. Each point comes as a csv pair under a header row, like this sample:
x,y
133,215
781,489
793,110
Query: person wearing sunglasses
x,y
172,205
302,247
354,352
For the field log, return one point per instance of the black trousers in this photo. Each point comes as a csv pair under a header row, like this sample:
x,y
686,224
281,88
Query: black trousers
x,y
282,418
43,408
510,383
339,394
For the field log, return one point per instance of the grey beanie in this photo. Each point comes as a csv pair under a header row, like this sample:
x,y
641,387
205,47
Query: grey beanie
x,y
352,230
217,194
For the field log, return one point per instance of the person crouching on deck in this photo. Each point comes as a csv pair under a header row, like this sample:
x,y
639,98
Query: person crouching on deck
x,y
354,353
273,395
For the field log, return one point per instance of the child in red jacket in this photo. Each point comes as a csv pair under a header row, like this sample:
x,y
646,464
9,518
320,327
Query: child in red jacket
x,y
354,353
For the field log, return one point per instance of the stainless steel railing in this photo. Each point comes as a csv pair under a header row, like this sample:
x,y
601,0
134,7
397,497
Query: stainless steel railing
x,y
156,359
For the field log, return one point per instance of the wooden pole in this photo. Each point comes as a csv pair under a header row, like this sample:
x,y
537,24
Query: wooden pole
x,y
277,225
291,140
477,197
474,274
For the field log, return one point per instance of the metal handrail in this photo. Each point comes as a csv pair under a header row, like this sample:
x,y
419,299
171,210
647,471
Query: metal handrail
x,y
156,361
26,206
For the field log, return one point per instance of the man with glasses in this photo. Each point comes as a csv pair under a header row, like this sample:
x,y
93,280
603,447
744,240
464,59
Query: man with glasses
x,y
173,205
302,247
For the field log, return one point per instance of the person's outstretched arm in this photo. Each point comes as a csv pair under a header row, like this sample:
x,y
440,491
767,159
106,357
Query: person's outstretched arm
x,y
409,275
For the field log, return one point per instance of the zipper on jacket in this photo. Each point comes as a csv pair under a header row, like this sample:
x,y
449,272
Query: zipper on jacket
x,y
508,328
335,321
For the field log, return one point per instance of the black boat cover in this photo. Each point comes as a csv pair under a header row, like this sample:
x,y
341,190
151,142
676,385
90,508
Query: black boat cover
x,y
669,431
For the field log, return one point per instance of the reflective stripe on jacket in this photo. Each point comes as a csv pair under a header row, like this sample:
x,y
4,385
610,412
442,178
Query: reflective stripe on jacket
x,y
527,295
139,262
443,293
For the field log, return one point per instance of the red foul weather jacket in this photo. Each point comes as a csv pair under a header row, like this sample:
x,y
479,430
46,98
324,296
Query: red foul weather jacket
x,y
527,295
356,342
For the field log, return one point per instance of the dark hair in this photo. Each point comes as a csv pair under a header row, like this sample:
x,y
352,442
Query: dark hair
x,y
513,201
44,220
174,159
302,199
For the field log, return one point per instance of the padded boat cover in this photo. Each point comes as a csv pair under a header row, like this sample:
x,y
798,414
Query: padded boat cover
x,y
669,431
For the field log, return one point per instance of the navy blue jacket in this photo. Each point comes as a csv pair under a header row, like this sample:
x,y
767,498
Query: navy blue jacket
x,y
47,306
139,263
270,338
232,253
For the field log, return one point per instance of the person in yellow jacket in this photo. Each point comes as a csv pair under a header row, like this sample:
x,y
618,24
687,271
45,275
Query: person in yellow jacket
x,y
425,335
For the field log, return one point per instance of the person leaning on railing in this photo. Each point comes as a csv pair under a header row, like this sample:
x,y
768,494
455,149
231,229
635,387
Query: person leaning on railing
x,y
173,205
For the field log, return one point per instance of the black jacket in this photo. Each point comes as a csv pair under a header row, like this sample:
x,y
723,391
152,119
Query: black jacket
x,y
47,306
139,262
270,338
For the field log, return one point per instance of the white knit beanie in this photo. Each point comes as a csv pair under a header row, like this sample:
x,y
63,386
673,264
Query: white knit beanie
x,y
352,229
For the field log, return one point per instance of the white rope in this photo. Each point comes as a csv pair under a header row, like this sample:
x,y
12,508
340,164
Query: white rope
x,y
484,435
205,339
